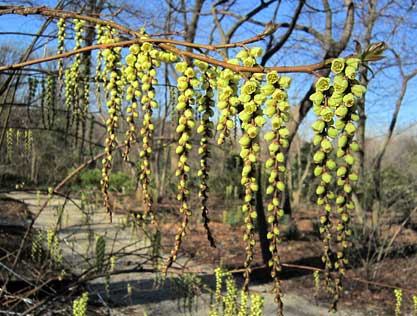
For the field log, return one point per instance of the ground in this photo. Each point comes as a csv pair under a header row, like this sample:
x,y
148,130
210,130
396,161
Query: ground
x,y
300,298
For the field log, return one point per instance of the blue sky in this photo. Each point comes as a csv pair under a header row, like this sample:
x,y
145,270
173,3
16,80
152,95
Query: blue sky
x,y
383,90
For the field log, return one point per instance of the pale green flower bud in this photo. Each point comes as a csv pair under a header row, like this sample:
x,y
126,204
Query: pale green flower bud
x,y
353,62
335,99
245,116
358,90
181,66
318,156
249,87
337,65
350,72
341,171
331,164
253,131
349,100
340,84
317,139
269,136
350,128
243,54
332,132
322,84
249,62
256,52
283,106
267,89
326,177
353,177
327,114
339,125
326,145
260,121
285,82
259,99
269,111
272,77
317,98
279,95
349,159
341,111
318,170
244,141
276,122
318,126
320,190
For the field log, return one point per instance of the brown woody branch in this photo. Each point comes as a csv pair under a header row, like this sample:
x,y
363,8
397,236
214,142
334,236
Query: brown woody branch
x,y
166,44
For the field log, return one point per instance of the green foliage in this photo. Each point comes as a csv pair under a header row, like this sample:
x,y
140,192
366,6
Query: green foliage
x,y
100,253
233,216
119,182
188,286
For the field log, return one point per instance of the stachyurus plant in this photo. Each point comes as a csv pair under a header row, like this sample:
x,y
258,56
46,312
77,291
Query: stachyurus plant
x,y
245,95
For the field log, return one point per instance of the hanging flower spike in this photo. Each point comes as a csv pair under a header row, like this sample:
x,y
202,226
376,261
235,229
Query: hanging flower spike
x,y
114,90
9,139
146,65
184,128
205,107
324,165
131,73
61,39
252,120
99,77
227,85
346,113
277,108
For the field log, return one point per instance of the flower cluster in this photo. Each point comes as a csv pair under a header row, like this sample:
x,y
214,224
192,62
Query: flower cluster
x,y
243,308
28,143
79,307
252,122
186,83
72,76
334,102
133,92
100,252
99,76
147,59
9,146
52,242
257,305
230,299
324,133
227,87
346,113
218,273
205,129
50,99
276,109
316,276
61,39
114,89
33,84
398,301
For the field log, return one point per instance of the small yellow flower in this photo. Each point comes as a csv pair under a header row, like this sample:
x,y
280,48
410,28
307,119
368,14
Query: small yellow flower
x,y
322,84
